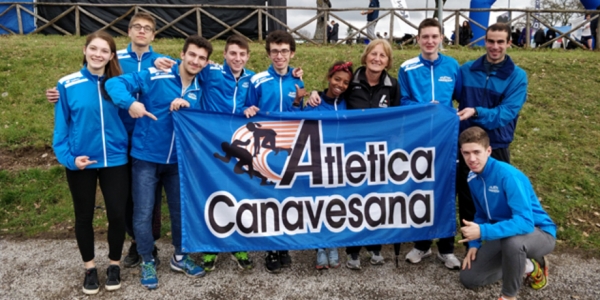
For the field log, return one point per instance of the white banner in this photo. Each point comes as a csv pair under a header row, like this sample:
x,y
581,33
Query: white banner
x,y
400,5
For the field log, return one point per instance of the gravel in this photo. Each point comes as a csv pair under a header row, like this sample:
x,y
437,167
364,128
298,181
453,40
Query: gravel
x,y
52,269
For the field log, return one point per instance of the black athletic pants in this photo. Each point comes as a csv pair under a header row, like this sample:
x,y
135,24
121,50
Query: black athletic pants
x,y
114,183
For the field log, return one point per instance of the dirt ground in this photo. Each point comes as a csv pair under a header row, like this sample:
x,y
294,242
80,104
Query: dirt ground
x,y
52,269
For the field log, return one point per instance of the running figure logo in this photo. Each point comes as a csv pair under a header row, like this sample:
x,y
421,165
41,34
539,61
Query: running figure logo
x,y
251,145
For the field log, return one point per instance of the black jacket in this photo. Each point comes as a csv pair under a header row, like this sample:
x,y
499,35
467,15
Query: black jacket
x,y
362,95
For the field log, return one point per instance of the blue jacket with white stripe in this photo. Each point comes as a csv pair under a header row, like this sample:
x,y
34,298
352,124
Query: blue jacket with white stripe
x,y
270,91
154,141
130,62
505,203
422,81
224,93
497,97
85,124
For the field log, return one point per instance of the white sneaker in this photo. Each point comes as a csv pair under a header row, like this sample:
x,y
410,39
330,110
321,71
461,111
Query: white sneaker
x,y
415,255
450,261
376,258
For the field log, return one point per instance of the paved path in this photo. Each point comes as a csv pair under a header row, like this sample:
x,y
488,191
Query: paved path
x,y
52,269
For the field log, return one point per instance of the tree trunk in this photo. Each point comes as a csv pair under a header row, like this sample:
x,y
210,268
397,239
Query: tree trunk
x,y
319,36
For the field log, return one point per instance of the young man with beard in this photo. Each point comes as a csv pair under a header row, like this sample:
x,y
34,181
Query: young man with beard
x,y
493,92
153,149
138,56
518,233
430,77
227,86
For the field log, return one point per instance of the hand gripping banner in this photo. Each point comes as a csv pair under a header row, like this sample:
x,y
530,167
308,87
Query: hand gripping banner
x,y
288,181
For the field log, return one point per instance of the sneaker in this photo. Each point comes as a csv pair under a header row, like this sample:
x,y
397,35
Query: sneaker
x,y
353,262
334,259
376,258
322,262
209,261
113,278
243,261
450,261
285,259
415,255
149,278
272,262
539,277
155,255
133,259
187,266
90,282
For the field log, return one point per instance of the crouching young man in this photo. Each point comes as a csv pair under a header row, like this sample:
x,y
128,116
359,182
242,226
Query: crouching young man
x,y
508,217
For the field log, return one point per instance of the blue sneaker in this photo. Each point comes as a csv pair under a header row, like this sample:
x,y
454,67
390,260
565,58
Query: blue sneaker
x,y
334,258
187,266
149,279
322,259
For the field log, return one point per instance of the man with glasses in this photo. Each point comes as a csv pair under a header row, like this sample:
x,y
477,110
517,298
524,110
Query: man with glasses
x,y
138,56
276,89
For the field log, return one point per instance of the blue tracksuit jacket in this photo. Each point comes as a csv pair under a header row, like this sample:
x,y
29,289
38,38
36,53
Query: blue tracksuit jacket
x,y
154,141
422,81
505,203
85,124
327,103
497,97
223,92
130,62
270,91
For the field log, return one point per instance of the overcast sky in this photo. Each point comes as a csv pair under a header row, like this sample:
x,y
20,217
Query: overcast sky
x,y
297,17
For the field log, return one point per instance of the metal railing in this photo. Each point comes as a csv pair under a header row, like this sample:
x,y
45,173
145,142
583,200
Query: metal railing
x,y
262,13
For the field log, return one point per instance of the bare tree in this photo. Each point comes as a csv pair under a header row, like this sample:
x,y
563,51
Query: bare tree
x,y
559,18
321,22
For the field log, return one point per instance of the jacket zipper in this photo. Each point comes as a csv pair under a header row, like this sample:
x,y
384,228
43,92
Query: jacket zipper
x,y
432,84
102,123
485,198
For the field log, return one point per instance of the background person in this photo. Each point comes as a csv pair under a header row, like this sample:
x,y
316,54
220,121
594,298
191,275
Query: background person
x,y
91,142
372,14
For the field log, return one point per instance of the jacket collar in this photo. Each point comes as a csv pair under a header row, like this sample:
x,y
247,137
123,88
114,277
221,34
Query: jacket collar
x,y
428,63
85,72
175,71
228,71
132,53
328,100
502,73
273,73
488,169
360,75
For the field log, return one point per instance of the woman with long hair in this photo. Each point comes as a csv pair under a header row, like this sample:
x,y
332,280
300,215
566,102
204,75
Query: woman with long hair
x,y
90,140
466,34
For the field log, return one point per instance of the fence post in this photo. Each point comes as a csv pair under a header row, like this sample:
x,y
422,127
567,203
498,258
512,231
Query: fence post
x,y
198,21
326,20
527,42
456,28
260,32
20,21
77,22
391,37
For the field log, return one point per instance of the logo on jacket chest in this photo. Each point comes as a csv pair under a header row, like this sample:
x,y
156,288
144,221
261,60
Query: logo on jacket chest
x,y
493,189
192,96
292,94
245,85
445,79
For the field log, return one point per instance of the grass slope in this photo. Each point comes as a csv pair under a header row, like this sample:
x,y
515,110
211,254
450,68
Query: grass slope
x,y
557,143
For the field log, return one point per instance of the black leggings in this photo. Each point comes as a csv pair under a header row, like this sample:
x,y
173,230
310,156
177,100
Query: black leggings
x,y
114,183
